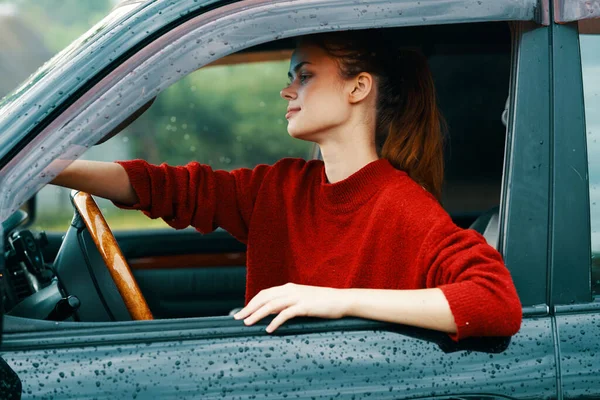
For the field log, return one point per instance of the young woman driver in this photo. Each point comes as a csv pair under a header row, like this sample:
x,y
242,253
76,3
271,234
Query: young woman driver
x,y
361,233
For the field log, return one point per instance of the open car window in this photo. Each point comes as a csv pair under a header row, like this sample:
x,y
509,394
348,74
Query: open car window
x,y
470,65
199,41
228,115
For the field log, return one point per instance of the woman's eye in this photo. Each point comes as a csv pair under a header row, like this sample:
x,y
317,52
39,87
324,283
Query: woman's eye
x,y
301,77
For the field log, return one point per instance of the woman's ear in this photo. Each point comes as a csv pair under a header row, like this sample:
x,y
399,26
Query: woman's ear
x,y
362,85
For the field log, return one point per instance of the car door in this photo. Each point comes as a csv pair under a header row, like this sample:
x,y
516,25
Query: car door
x,y
218,356
578,312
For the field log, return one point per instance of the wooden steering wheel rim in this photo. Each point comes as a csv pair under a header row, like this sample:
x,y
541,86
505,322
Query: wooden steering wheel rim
x,y
113,257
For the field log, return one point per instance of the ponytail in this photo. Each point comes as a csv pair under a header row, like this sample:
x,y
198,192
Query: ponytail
x,y
411,126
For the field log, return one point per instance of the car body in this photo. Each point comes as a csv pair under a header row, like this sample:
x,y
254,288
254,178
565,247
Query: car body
x,y
543,235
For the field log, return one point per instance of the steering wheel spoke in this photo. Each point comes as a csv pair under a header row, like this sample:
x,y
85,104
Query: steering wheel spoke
x,y
113,257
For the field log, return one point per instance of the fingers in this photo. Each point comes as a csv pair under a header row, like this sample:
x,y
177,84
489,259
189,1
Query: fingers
x,y
271,301
272,307
283,316
263,297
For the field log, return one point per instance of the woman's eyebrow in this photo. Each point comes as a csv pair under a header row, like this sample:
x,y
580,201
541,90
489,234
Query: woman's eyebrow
x,y
297,67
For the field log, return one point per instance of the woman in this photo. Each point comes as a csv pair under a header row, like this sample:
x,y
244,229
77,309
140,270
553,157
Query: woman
x,y
360,233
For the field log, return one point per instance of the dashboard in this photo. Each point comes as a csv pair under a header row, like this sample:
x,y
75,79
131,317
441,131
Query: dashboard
x,y
29,287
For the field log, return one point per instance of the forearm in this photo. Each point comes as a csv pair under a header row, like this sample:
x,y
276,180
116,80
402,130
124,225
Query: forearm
x,y
425,308
105,179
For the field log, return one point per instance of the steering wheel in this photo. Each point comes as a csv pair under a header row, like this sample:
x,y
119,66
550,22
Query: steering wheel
x,y
113,257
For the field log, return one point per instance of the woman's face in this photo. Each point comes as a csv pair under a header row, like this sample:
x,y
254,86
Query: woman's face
x,y
316,94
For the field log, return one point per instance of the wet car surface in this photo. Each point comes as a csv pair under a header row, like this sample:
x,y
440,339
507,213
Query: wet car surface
x,y
542,223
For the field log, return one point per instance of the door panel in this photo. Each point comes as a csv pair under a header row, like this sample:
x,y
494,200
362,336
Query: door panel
x,y
186,274
220,358
181,273
579,341
192,292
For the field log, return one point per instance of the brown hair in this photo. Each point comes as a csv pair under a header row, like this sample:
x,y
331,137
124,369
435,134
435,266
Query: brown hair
x,y
408,120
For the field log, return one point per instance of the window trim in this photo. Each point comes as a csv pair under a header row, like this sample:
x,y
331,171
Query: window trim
x,y
570,238
524,223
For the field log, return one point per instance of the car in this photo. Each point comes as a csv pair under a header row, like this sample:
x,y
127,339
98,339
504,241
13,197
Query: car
x,y
529,185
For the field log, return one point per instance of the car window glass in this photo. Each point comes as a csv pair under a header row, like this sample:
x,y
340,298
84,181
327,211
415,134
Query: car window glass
x,y
226,116
589,40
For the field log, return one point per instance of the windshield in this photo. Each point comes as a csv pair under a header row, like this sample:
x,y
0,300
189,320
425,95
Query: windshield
x,y
28,90
67,52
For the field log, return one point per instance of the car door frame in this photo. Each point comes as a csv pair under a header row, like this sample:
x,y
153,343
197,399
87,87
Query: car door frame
x,y
21,340
321,24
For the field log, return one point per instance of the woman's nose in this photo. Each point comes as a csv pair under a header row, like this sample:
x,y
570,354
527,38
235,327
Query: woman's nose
x,y
287,93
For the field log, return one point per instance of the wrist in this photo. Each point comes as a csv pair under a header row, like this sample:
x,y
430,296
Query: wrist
x,y
348,299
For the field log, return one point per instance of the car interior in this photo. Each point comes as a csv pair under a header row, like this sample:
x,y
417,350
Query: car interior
x,y
182,274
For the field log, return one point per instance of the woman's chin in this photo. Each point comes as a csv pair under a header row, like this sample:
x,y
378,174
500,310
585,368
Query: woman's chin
x,y
298,132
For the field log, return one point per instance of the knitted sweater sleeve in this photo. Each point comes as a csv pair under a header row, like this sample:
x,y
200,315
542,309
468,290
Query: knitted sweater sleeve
x,y
196,195
473,278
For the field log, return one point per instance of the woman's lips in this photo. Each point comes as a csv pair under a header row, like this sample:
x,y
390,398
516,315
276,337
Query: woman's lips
x,y
290,112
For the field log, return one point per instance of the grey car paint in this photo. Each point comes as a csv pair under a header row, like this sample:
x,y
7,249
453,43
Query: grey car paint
x,y
213,358
308,359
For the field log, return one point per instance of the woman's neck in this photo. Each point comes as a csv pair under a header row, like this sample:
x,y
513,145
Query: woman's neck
x,y
344,159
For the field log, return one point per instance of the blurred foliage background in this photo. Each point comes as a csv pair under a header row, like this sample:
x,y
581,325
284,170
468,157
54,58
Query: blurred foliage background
x,y
59,22
227,116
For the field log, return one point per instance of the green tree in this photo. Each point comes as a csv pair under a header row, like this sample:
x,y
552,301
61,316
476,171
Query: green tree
x,y
225,116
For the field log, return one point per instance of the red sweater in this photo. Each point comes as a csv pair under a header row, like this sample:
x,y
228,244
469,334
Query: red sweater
x,y
376,229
